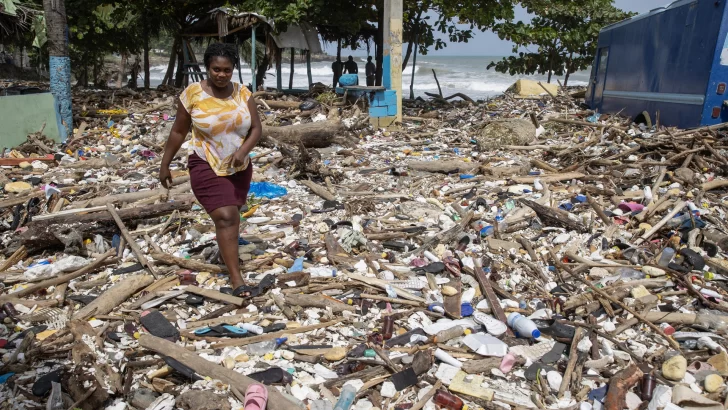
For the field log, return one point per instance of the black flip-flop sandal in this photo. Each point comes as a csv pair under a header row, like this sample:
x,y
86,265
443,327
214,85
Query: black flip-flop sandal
x,y
274,375
158,325
252,291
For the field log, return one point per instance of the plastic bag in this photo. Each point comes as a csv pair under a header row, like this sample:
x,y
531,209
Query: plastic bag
x,y
266,190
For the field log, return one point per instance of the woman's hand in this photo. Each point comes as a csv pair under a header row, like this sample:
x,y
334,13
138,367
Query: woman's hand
x,y
239,157
165,177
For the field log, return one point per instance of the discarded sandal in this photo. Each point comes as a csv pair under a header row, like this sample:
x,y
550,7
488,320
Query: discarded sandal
x,y
252,291
158,325
222,330
273,375
256,397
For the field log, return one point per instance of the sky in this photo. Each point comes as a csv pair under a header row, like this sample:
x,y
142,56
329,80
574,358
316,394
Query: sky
x,y
488,44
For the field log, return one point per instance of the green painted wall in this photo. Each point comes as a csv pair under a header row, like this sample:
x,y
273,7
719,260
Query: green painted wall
x,y
21,115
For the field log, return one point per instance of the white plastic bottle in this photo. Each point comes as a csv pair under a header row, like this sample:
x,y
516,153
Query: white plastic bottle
x,y
523,326
268,346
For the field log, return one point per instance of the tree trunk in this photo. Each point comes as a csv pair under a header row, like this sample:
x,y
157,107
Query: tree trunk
x,y
260,71
407,53
568,69
146,62
122,70
170,65
179,77
60,63
293,60
338,50
413,40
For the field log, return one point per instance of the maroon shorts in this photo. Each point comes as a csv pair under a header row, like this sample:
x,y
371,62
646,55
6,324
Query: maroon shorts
x,y
213,191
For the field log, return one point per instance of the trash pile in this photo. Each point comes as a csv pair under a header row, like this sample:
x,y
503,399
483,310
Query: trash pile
x,y
515,253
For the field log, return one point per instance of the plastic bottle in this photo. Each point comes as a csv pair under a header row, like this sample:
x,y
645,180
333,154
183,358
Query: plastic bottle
x,y
678,220
322,272
346,399
447,400
714,276
387,327
629,273
479,225
713,321
523,326
268,346
448,334
648,386
500,219
666,257
258,330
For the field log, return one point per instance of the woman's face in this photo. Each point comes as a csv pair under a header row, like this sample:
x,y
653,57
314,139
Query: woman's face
x,y
220,71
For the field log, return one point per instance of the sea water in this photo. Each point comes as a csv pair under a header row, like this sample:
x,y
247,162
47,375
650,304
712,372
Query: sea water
x,y
457,74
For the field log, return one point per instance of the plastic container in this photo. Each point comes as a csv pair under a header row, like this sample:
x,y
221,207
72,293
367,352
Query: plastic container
x,y
713,321
648,386
346,399
445,357
387,327
258,330
666,257
630,274
447,400
523,326
261,348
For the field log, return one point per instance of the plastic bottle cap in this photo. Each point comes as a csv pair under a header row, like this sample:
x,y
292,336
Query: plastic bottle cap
x,y
536,334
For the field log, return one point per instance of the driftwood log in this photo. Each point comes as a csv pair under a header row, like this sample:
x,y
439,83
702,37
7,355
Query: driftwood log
x,y
619,384
312,135
47,233
444,167
114,296
214,371
554,217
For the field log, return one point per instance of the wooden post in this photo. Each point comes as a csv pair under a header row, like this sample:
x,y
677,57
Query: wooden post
x,y
279,79
290,78
414,64
392,47
308,69
252,57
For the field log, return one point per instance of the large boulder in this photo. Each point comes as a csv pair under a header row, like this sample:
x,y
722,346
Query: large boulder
x,y
510,131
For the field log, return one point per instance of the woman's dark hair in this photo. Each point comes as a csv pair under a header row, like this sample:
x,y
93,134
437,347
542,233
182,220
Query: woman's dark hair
x,y
226,50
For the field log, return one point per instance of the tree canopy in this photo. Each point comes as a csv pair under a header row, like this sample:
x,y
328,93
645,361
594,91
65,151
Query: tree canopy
x,y
560,39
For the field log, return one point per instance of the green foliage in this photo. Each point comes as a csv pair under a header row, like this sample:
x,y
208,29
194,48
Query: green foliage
x,y
449,16
560,39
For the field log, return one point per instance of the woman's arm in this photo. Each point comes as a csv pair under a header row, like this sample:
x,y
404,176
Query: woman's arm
x,y
256,130
181,127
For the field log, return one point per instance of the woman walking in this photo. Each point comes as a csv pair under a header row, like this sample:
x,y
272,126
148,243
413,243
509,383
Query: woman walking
x,y
225,128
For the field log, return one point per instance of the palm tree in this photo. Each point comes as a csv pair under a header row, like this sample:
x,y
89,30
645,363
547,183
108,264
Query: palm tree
x,y
60,62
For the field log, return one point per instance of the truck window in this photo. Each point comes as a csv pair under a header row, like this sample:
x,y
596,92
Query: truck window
x,y
724,52
603,58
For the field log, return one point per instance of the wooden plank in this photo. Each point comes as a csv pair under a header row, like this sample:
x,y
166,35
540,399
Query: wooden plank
x,y
215,295
493,301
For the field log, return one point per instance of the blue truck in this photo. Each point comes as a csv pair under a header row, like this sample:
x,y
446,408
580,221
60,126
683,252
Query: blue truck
x,y
672,60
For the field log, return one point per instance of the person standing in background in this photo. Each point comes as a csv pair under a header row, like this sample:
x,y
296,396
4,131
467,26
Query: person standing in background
x,y
370,70
350,66
337,67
